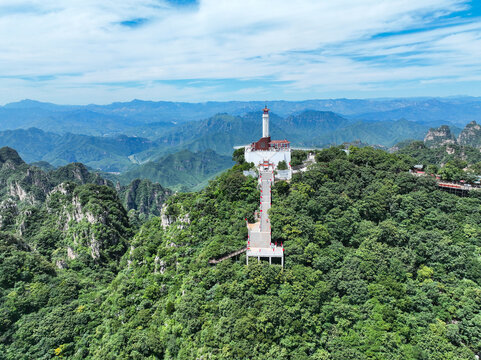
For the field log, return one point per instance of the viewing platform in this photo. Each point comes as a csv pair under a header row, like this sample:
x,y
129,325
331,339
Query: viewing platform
x,y
460,188
276,252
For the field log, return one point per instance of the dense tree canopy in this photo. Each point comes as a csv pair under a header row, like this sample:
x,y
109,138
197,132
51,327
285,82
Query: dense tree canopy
x,y
379,265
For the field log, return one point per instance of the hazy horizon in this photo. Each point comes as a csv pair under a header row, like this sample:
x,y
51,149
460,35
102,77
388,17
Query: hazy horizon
x,y
196,51
254,100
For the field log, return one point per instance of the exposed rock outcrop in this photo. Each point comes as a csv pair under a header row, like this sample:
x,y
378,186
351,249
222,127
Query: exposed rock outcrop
x,y
144,196
70,253
166,219
8,212
61,264
160,265
17,191
471,135
439,137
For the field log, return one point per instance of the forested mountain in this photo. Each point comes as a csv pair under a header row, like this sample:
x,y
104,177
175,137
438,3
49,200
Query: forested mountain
x,y
312,122
379,264
24,185
440,147
439,137
471,135
104,153
182,170
220,133
445,155
143,198
440,155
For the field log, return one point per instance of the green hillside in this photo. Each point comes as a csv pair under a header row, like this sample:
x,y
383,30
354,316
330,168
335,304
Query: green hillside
x,y
103,153
308,128
219,133
182,170
379,264
143,198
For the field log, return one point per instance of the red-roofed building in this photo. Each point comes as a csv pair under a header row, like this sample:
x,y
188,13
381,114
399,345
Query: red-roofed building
x,y
268,151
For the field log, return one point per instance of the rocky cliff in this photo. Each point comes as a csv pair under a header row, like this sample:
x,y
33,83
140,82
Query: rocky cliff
x,y
439,137
471,135
70,214
144,197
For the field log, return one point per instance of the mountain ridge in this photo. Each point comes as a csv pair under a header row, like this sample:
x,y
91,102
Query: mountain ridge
x,y
121,153
127,117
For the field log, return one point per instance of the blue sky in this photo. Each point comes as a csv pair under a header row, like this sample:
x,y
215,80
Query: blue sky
x,y
86,51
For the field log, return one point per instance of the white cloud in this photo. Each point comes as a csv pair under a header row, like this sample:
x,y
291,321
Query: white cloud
x,y
313,45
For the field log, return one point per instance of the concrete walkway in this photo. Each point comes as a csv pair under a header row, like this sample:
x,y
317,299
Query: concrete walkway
x,y
266,178
260,244
232,254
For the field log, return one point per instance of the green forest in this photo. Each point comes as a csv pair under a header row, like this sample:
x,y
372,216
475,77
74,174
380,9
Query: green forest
x,y
379,264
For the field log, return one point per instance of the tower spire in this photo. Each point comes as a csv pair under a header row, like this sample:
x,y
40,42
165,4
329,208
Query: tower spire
x,y
265,123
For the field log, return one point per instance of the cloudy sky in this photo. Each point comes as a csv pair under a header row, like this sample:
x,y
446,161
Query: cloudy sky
x,y
91,51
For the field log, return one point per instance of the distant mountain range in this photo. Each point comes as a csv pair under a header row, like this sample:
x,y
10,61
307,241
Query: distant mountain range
x,y
140,138
220,133
132,118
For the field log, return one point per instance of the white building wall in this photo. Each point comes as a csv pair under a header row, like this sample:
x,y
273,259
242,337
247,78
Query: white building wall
x,y
284,174
274,157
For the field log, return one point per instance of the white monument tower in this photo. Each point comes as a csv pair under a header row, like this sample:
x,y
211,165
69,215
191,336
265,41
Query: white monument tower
x,y
267,153
265,123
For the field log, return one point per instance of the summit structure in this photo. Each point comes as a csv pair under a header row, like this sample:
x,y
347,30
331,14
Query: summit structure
x,y
270,152
266,154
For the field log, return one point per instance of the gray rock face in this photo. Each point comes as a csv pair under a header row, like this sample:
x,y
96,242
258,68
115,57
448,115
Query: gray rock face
x,y
144,196
166,219
471,135
439,137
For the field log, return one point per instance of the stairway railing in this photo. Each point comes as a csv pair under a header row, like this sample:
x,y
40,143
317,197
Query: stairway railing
x,y
237,252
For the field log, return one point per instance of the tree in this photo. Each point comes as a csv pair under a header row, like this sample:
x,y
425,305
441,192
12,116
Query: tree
x,y
451,172
330,154
432,169
298,157
282,165
238,156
